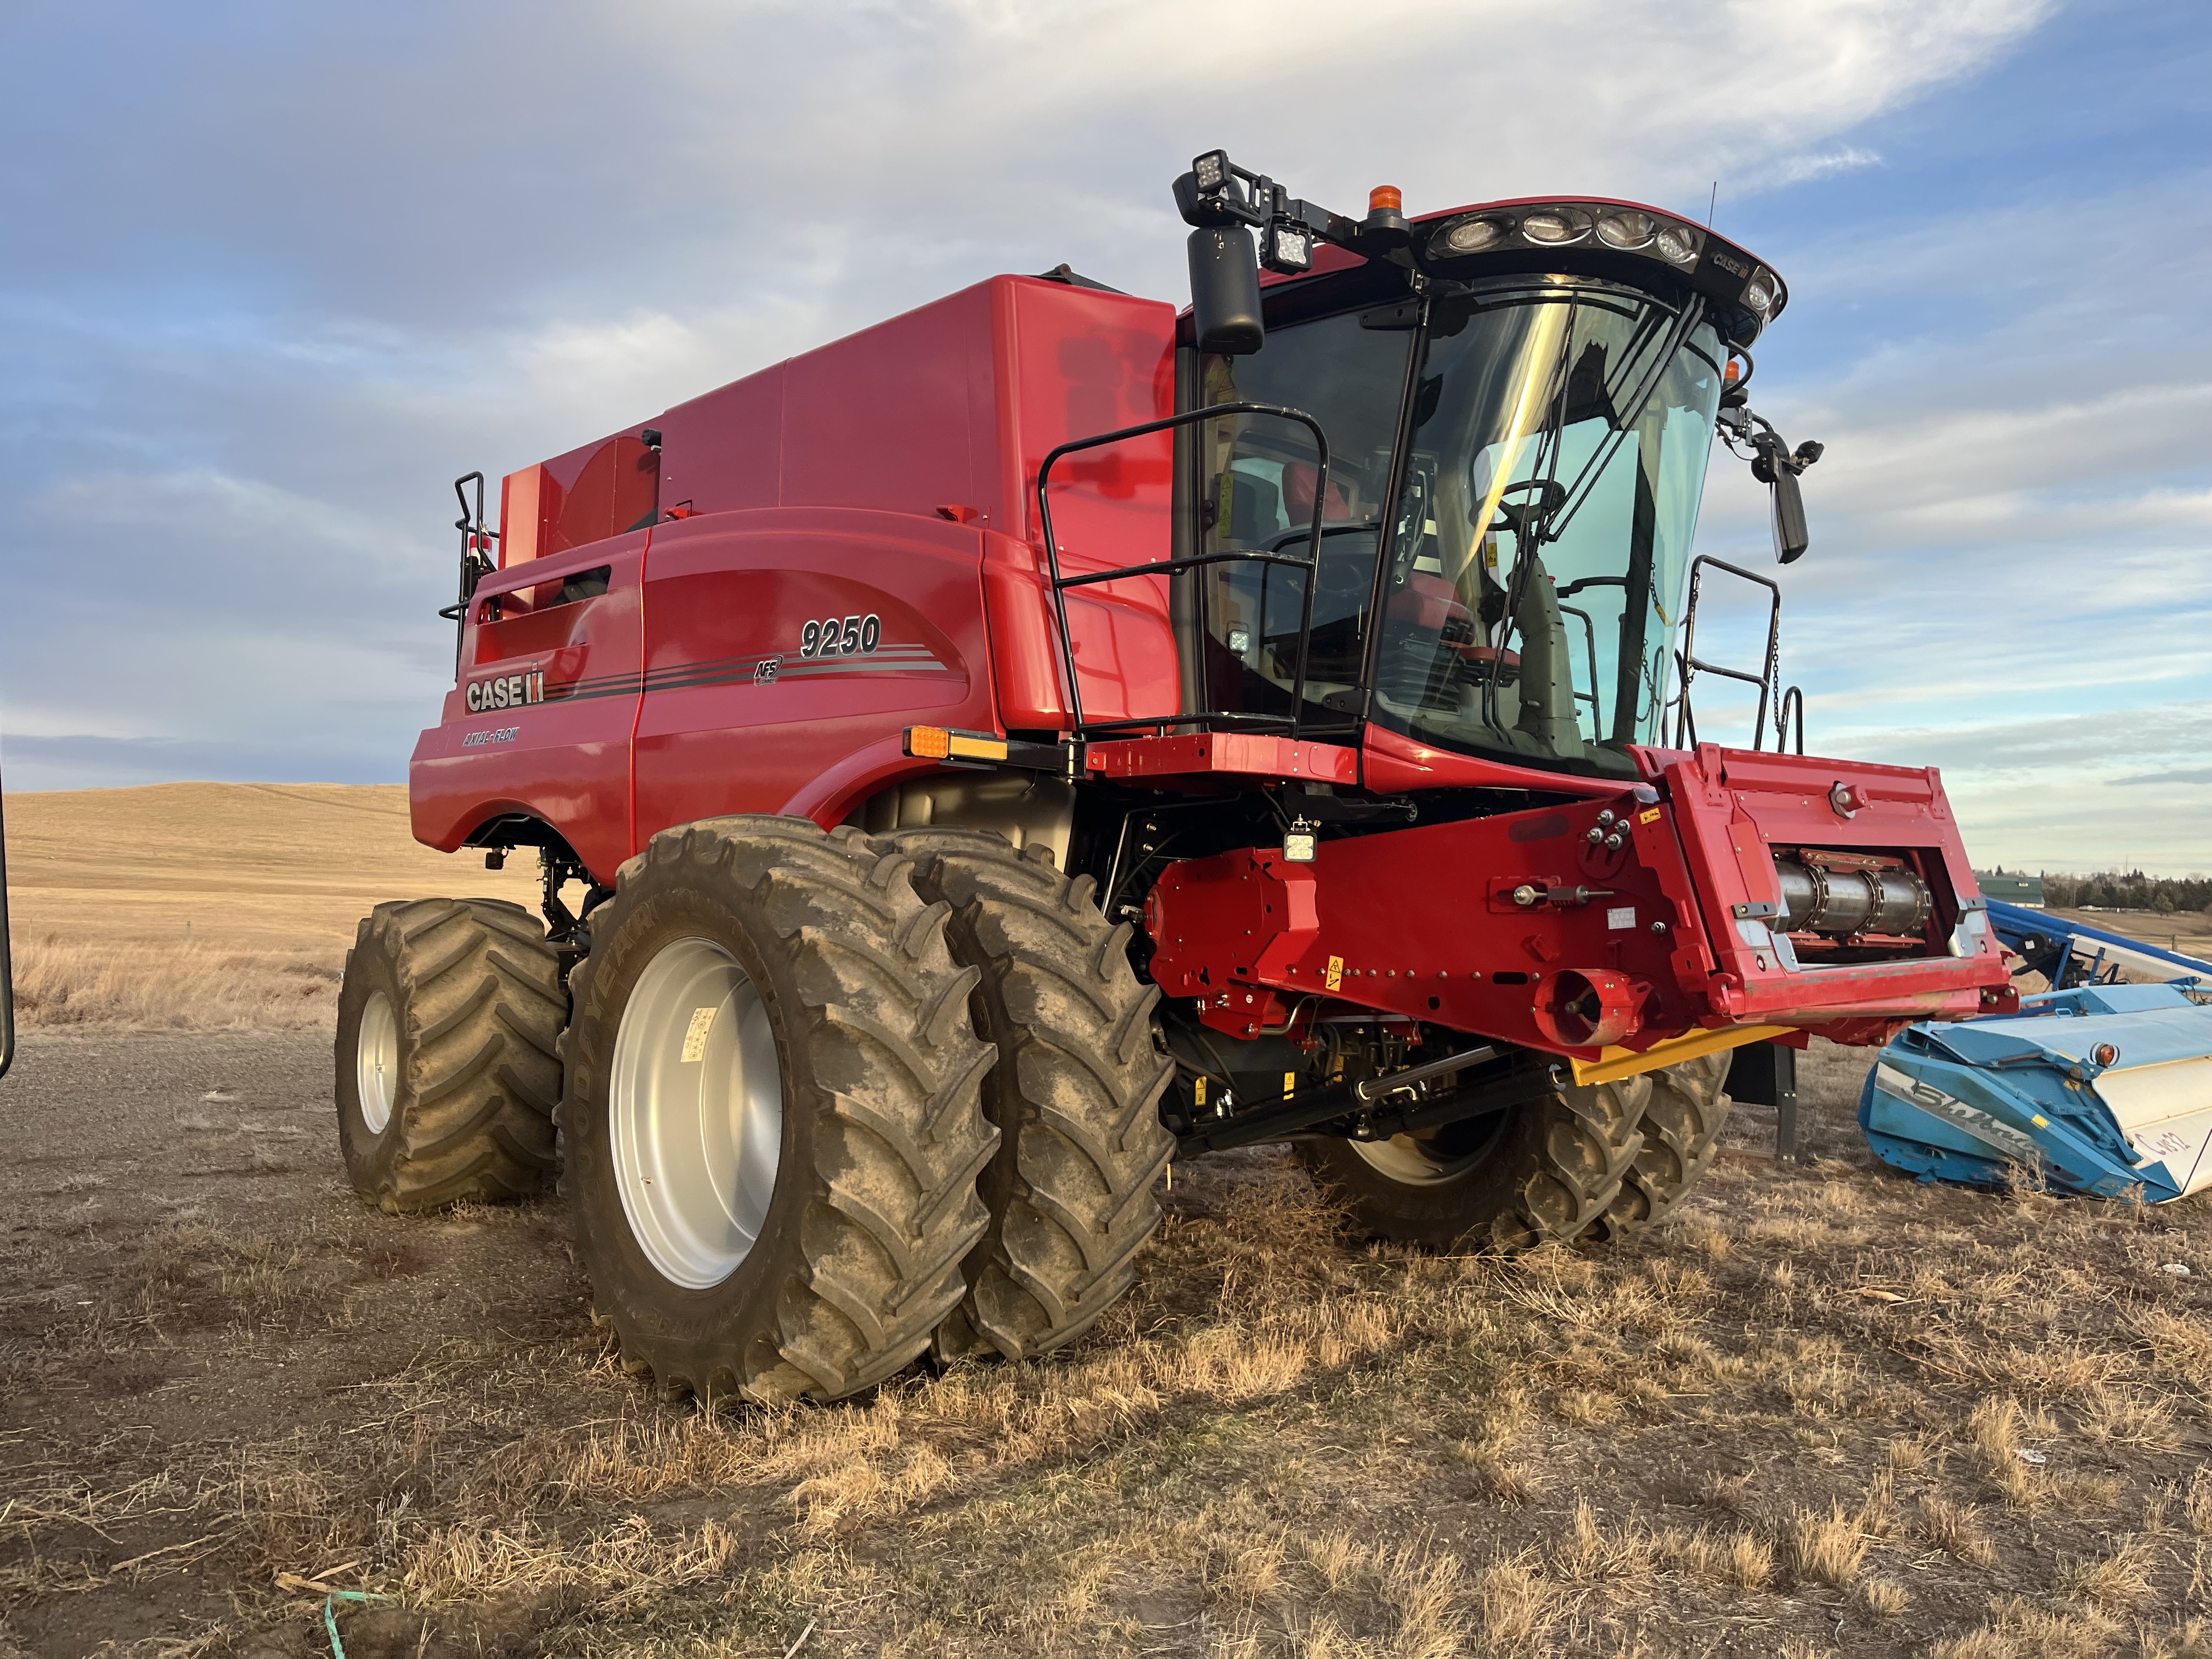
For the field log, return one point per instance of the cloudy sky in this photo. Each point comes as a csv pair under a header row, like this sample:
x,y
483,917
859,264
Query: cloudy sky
x,y
271,275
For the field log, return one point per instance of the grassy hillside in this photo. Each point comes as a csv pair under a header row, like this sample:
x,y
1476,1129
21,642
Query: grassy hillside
x,y
212,904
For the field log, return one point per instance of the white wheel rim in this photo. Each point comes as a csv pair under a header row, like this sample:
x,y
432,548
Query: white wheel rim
x,y
696,1113
376,1061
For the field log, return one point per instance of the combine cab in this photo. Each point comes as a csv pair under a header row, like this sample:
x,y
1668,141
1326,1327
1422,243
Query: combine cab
x,y
975,759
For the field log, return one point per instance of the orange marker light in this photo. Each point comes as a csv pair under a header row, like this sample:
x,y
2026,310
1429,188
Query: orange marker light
x,y
1384,197
1735,369
928,742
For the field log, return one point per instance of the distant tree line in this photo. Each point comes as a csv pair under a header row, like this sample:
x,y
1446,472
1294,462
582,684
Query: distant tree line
x,y
2112,890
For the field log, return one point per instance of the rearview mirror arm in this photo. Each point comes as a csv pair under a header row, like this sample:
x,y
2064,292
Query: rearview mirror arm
x,y
1775,464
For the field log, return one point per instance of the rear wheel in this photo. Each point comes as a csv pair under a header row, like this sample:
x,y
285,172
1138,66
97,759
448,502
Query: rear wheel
x,y
1681,1128
1508,1179
1075,1093
446,1075
772,1112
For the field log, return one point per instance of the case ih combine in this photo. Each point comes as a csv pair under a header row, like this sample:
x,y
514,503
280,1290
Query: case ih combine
x,y
1044,731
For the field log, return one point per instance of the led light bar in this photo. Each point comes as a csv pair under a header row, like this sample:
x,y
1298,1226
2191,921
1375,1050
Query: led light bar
x,y
1715,267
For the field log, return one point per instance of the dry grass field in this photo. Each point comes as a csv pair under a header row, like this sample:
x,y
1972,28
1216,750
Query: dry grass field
x,y
201,905
1830,1411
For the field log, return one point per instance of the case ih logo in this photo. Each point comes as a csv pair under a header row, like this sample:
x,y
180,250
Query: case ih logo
x,y
1734,266
510,691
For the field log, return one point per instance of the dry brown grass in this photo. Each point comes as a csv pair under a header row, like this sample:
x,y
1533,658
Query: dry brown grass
x,y
1286,1445
1191,1470
1791,1423
1826,1548
210,906
173,985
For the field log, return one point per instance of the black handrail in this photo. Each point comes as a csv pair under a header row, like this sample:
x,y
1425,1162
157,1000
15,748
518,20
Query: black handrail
x,y
1692,666
1311,564
1590,638
476,562
1793,698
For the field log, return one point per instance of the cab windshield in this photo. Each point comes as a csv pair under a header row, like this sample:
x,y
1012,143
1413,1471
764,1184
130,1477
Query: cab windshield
x,y
1559,437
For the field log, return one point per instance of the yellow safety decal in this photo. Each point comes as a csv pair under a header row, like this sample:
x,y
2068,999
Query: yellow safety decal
x,y
1290,1084
1198,1091
1649,815
1334,976
2040,1122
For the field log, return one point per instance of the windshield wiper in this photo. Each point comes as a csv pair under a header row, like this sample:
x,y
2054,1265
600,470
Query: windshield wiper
x,y
1586,481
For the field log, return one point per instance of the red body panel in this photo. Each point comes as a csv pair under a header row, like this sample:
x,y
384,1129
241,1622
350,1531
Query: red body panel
x,y
1423,921
566,758
735,719
1735,807
887,475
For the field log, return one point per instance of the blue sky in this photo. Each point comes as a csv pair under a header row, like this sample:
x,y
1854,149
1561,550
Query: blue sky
x,y
273,275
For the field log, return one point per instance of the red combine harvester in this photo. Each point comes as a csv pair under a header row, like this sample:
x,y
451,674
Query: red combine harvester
x,y
1045,732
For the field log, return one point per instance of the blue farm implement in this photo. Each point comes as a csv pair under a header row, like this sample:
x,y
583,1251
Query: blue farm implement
x,y
2098,1087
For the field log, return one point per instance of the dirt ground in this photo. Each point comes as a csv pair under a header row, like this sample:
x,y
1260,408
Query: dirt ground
x,y
1830,1410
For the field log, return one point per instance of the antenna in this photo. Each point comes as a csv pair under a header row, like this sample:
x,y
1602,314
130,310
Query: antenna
x,y
1711,203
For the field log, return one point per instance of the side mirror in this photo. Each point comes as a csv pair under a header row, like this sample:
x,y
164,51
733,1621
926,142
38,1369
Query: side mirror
x,y
1791,537
1774,464
1224,290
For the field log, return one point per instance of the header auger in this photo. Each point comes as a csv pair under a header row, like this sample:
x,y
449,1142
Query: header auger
x,y
1045,730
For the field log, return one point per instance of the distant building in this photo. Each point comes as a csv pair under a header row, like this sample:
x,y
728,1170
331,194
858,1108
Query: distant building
x,y
2025,890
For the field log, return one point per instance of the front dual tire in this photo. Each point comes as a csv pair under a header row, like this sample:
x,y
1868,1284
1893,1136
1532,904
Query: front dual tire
x,y
772,1112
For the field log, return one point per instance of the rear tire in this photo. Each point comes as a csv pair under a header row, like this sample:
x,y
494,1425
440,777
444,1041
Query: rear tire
x,y
1538,1171
776,1202
1075,1093
446,1073
1681,1126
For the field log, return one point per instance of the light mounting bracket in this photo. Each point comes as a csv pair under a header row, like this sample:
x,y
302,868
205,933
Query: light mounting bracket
x,y
1217,191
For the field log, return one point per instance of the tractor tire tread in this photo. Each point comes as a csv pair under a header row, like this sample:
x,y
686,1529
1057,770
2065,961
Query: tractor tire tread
x,y
892,1211
1591,1142
1559,1163
1683,1114
1075,1093
479,1001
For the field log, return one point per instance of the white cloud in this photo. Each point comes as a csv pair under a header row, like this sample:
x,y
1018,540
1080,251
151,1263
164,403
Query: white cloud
x,y
563,220
1845,158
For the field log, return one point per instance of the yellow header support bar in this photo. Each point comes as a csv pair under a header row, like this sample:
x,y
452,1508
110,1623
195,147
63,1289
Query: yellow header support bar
x,y
1614,1064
